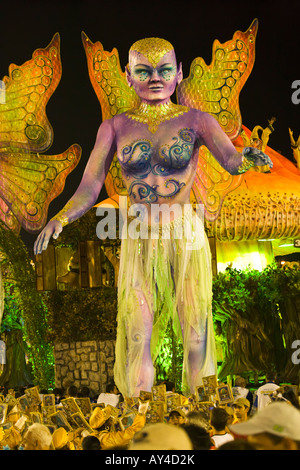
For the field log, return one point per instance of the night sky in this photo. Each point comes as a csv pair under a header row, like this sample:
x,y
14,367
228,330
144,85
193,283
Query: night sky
x,y
191,26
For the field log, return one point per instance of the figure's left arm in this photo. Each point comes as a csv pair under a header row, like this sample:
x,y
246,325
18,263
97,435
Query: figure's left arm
x,y
221,147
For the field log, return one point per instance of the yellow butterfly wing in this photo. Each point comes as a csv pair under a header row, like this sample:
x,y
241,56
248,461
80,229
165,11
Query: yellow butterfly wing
x,y
114,94
8,217
23,120
215,89
30,181
212,184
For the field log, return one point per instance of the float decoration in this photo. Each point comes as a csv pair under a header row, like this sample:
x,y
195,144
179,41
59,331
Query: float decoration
x,y
30,181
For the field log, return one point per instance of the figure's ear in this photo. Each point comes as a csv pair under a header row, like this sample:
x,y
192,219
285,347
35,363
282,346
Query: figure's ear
x,y
128,75
179,73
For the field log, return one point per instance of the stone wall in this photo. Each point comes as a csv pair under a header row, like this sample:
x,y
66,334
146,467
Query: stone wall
x,y
84,363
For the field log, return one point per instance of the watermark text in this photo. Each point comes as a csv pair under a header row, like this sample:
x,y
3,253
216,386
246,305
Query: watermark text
x,y
296,94
139,221
2,92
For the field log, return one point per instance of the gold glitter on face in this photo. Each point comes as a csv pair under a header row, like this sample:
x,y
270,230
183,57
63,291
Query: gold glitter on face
x,y
152,48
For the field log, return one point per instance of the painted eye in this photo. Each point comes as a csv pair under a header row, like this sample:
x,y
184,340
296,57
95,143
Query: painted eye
x,y
166,73
142,74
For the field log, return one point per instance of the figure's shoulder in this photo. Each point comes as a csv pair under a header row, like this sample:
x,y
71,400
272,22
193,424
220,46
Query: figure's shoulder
x,y
202,121
201,115
118,119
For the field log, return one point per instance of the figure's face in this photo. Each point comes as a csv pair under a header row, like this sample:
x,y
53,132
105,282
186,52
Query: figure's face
x,y
154,84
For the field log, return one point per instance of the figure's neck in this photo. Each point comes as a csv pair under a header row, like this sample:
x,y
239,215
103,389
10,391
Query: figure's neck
x,y
154,114
156,104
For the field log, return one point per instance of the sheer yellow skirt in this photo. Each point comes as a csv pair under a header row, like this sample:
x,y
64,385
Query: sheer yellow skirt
x,y
166,276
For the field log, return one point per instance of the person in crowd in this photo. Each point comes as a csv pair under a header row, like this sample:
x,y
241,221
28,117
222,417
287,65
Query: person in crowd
x,y
37,437
218,421
232,419
72,391
199,436
62,440
170,386
237,444
241,407
111,397
262,396
177,417
10,439
274,427
198,418
240,390
102,422
286,393
90,443
59,393
161,436
84,392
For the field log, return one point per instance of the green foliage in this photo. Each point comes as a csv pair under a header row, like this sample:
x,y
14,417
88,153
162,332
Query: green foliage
x,y
30,305
81,314
12,318
252,313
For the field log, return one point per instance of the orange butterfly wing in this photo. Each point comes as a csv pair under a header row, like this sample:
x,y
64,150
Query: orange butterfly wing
x,y
215,89
30,181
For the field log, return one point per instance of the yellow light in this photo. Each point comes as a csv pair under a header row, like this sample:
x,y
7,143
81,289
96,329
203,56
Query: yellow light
x,y
254,260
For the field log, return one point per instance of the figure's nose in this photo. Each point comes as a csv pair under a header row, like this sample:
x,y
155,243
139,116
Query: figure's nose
x,y
155,76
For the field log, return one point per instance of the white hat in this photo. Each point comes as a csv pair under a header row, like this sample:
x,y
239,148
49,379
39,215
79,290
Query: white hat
x,y
277,418
161,436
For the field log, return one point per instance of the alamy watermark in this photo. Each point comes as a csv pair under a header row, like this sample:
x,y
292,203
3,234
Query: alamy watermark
x,y
155,221
296,94
296,354
2,92
2,353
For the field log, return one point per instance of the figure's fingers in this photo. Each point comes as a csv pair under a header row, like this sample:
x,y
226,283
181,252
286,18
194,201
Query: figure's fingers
x,y
36,247
57,231
52,229
40,241
46,239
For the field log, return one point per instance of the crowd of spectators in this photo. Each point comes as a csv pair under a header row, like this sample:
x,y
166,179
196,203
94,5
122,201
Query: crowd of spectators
x,y
266,418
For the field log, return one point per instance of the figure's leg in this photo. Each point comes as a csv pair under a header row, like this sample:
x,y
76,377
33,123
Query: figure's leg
x,y
138,341
193,283
195,347
134,369
194,351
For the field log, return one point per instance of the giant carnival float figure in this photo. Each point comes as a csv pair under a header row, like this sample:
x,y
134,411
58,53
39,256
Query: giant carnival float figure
x,y
148,147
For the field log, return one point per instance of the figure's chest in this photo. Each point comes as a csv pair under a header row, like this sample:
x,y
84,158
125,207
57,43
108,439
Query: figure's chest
x,y
163,153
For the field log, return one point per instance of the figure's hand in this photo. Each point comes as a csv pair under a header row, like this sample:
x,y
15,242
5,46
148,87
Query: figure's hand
x,y
258,157
52,229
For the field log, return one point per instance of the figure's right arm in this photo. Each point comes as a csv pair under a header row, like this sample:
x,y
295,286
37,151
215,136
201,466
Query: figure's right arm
x,y
89,188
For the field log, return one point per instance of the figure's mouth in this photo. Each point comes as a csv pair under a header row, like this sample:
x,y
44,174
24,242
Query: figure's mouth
x,y
155,88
